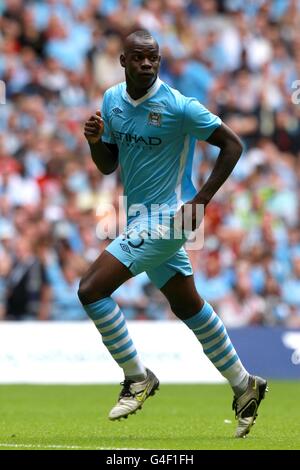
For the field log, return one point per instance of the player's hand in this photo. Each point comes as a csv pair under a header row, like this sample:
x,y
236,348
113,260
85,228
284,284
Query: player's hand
x,y
191,214
94,128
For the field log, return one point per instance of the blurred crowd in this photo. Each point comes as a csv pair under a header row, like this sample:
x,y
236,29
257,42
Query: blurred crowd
x,y
240,59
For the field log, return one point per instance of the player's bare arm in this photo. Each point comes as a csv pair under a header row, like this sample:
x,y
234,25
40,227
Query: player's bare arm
x,y
104,155
230,151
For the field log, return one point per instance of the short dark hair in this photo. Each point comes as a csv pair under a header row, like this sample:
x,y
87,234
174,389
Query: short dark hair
x,y
141,33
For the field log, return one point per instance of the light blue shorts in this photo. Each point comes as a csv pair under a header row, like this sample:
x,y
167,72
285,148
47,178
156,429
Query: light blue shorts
x,y
160,258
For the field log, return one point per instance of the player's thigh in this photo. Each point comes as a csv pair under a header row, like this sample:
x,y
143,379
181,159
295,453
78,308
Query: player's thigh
x,y
103,277
182,295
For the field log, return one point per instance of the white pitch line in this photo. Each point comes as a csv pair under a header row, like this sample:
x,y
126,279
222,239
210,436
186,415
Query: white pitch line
x,y
40,446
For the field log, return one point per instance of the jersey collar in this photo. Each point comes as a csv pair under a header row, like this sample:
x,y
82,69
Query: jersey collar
x,y
151,92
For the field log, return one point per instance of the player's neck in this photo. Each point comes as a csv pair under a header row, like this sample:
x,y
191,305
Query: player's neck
x,y
137,93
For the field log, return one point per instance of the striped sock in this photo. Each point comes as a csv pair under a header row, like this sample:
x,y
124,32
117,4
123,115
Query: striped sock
x,y
111,324
211,332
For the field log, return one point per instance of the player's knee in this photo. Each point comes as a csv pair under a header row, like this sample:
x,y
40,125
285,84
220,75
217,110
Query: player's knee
x,y
186,310
178,310
86,292
91,290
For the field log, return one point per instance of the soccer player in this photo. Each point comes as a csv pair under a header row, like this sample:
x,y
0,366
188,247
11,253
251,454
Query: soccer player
x,y
150,129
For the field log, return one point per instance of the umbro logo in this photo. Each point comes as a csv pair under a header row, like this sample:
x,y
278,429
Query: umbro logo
x,y
117,110
125,247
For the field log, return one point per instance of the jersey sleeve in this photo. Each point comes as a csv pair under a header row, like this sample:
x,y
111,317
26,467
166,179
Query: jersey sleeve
x,y
107,135
198,120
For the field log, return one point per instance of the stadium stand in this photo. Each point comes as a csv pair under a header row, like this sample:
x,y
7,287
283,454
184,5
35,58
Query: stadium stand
x,y
240,59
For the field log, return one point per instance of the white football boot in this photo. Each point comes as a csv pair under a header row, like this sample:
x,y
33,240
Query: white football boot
x,y
247,404
133,396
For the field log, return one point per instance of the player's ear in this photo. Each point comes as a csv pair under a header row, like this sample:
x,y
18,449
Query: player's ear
x,y
122,60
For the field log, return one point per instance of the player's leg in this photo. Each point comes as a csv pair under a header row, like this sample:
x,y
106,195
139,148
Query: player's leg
x,y
200,317
176,282
105,275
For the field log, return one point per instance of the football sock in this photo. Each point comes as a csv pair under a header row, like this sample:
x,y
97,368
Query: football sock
x,y
211,332
111,324
240,389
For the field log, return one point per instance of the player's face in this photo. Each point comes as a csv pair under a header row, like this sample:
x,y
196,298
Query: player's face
x,y
141,62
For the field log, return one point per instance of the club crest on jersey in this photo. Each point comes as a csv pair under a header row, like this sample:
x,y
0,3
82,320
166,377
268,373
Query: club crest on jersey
x,y
154,119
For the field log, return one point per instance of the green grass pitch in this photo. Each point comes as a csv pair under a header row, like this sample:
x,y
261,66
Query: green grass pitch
x,y
178,417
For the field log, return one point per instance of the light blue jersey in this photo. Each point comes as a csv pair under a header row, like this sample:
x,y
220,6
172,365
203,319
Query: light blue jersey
x,y
156,137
